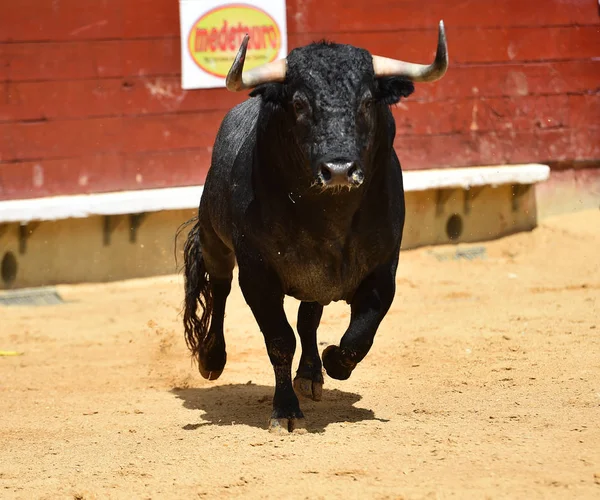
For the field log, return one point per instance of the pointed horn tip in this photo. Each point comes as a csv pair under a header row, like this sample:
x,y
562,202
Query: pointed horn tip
x,y
442,31
233,81
244,44
442,41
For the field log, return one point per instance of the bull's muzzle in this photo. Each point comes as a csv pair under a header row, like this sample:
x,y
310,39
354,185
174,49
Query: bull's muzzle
x,y
340,174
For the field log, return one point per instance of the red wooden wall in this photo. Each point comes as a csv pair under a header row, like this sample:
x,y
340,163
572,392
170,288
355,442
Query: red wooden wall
x,y
90,96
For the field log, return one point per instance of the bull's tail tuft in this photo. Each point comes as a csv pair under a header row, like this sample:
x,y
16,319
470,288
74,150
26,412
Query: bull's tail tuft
x,y
197,293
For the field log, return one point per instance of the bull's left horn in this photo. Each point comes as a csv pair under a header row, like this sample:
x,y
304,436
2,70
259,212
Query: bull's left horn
x,y
238,79
384,66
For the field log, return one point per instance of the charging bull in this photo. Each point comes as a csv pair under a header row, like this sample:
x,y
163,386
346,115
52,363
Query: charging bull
x,y
305,193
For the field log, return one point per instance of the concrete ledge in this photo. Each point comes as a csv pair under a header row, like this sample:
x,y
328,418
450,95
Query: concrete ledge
x,y
182,198
466,178
115,236
88,205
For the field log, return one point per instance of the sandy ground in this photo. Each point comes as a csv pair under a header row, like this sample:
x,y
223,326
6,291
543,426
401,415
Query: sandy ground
x,y
484,382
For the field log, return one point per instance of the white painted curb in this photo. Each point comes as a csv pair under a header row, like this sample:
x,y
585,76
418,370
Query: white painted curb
x,y
182,198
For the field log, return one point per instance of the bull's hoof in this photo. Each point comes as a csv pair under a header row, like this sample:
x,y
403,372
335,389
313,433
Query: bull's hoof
x,y
209,374
287,425
334,365
211,366
309,388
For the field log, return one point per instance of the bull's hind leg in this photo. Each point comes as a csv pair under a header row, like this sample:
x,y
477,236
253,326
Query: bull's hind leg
x,y
309,377
263,294
208,273
212,355
369,306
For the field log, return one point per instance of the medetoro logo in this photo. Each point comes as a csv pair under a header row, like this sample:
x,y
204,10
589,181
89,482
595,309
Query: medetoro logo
x,y
215,38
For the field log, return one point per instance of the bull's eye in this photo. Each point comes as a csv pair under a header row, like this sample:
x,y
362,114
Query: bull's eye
x,y
299,106
367,104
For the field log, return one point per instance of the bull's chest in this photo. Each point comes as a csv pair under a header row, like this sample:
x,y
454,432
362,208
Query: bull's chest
x,y
324,270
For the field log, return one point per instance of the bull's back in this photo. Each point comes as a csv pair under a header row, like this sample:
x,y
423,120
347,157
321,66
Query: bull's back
x,y
235,138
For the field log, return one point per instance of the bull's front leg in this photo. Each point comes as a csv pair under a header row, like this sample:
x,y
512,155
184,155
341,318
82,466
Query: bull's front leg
x,y
264,295
309,377
369,305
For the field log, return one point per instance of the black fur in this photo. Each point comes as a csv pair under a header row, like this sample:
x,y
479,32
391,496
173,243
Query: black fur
x,y
264,207
391,89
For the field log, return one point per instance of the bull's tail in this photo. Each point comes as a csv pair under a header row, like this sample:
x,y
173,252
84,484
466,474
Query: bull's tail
x,y
197,293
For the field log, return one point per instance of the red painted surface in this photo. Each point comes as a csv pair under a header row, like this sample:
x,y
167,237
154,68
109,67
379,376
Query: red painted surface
x,y
90,95
41,20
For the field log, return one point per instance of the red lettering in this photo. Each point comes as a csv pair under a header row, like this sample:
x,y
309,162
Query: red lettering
x,y
201,40
257,39
229,38
223,37
272,37
214,37
232,38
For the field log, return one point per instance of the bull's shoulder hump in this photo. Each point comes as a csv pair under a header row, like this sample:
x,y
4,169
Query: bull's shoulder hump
x,y
241,119
247,110
237,127
233,145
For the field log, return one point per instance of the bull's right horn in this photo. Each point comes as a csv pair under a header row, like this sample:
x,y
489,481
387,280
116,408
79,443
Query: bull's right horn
x,y
384,66
238,79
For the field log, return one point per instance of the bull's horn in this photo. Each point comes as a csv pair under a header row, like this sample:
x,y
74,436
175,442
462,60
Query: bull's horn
x,y
384,66
237,79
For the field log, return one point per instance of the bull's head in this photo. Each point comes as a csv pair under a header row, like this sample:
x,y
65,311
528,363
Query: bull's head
x,y
336,97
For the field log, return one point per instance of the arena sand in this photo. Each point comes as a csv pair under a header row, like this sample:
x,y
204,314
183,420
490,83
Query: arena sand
x,y
484,382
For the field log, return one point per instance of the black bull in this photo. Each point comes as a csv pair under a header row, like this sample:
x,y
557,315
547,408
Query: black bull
x,y
305,193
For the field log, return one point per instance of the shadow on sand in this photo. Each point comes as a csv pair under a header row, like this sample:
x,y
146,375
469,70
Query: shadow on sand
x,y
250,404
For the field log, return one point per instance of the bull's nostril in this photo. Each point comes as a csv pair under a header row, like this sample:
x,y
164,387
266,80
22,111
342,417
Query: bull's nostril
x,y
356,175
325,173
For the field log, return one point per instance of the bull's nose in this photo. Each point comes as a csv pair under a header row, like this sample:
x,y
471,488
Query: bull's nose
x,y
346,174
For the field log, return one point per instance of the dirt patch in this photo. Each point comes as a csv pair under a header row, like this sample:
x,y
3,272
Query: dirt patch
x,y
484,381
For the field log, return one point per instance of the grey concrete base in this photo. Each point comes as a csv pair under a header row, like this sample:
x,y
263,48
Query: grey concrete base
x,y
93,249
461,216
106,248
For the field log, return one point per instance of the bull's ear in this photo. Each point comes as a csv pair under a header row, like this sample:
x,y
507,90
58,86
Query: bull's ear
x,y
274,93
390,89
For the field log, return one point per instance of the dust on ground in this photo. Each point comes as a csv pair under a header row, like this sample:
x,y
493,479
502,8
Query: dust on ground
x,y
484,382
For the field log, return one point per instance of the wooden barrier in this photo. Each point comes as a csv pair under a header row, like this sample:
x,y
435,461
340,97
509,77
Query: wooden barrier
x,y
90,95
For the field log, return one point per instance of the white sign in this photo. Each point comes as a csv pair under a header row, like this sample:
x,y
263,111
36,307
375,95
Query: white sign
x,y
212,31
